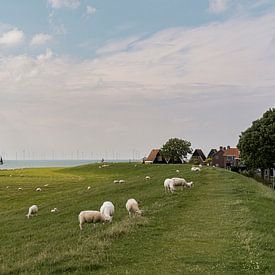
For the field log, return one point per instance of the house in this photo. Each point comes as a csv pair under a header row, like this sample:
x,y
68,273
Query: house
x,y
231,157
217,158
226,157
155,157
211,153
198,156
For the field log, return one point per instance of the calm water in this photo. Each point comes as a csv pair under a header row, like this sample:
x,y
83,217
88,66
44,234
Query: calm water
x,y
13,164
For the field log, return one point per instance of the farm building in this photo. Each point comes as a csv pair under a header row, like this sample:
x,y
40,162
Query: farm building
x,y
155,156
226,157
211,153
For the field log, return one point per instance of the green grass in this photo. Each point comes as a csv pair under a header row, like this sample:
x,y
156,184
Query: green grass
x,y
224,225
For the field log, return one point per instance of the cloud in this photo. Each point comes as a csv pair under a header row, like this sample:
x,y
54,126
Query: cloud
x,y
90,10
11,38
40,39
218,6
143,90
57,4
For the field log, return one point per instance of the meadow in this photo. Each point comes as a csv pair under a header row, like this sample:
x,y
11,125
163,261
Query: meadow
x,y
225,224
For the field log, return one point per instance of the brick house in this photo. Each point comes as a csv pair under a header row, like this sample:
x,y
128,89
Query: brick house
x,y
226,157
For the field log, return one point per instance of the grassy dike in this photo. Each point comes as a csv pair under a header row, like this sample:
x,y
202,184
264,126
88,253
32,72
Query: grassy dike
x,y
224,225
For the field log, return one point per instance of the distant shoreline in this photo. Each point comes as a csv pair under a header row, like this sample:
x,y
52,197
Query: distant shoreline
x,y
20,164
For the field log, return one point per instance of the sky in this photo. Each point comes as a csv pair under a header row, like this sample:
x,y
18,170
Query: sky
x,y
114,79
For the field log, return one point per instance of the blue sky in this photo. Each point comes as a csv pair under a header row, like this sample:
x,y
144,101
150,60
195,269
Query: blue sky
x,y
117,77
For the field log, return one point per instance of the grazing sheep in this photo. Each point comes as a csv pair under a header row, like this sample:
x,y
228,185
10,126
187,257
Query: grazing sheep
x,y
147,177
89,187
196,169
179,181
121,181
200,165
169,185
38,189
7,187
189,184
32,211
177,171
108,210
116,181
46,185
132,207
20,189
54,210
90,216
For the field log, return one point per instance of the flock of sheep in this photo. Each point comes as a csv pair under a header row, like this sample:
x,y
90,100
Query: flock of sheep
x,y
107,209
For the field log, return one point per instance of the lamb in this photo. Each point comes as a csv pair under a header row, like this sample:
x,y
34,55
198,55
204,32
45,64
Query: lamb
x,y
189,184
54,210
38,189
116,181
147,177
89,188
32,211
20,189
91,216
169,185
121,181
108,210
132,207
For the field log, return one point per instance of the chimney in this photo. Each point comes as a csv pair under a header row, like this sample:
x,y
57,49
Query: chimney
x,y
228,147
220,147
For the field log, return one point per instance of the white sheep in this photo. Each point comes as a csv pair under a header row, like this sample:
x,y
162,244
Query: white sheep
x,y
20,189
189,184
54,210
147,177
195,169
179,181
38,189
132,207
116,181
89,188
32,211
169,185
121,181
46,185
177,171
90,216
108,210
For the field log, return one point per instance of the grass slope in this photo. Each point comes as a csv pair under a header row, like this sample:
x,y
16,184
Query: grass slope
x,y
225,224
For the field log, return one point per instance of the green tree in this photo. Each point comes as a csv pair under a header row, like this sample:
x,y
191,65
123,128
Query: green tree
x,y
257,143
175,149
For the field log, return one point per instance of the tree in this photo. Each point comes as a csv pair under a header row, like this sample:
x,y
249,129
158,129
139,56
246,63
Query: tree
x,y
176,148
257,143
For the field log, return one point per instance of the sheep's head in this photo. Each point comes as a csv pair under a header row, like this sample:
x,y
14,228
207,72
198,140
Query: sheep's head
x,y
139,212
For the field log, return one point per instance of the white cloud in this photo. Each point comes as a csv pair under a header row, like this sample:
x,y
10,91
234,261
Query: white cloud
x,y
57,4
11,38
177,82
90,10
40,39
218,6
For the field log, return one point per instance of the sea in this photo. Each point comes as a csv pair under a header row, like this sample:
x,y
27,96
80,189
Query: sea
x,y
16,164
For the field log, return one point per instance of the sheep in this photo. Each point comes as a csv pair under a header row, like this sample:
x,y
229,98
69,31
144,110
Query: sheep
x,y
20,188
90,216
116,181
147,177
46,185
121,181
177,171
179,181
89,187
38,189
169,185
132,207
54,210
196,169
189,184
200,165
108,210
32,211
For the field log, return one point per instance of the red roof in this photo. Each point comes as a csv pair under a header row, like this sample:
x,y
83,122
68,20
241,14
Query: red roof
x,y
232,152
153,155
